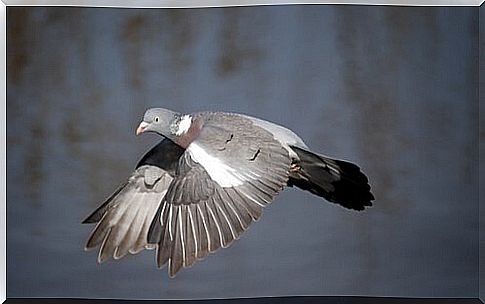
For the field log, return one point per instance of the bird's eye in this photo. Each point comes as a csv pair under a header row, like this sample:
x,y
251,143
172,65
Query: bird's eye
x,y
157,119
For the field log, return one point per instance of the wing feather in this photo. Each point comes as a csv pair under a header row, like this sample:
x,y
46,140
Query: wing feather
x,y
165,241
177,254
229,231
141,241
190,237
204,213
124,226
203,232
240,219
186,209
125,218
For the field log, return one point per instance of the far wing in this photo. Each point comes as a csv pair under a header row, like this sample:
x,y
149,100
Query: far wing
x,y
223,180
124,219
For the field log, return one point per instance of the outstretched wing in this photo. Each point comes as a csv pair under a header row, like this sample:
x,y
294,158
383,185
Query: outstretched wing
x,y
124,219
223,180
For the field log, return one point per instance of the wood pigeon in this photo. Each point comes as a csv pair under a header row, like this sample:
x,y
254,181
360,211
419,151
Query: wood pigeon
x,y
208,179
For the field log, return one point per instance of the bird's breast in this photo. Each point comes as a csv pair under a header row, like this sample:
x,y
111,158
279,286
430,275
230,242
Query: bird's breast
x,y
185,139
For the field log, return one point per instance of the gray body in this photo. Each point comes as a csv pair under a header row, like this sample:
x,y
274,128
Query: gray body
x,y
203,185
285,136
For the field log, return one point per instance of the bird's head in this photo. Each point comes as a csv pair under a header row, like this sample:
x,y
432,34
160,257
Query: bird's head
x,y
158,120
169,124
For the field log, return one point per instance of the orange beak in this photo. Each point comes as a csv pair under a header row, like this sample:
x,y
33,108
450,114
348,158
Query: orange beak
x,y
141,128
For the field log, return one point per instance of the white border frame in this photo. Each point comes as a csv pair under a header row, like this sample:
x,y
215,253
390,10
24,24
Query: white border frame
x,y
138,4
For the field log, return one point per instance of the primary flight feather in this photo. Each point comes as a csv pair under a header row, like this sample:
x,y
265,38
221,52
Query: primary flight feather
x,y
208,179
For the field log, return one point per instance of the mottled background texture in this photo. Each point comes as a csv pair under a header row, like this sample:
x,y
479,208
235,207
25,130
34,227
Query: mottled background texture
x,y
393,89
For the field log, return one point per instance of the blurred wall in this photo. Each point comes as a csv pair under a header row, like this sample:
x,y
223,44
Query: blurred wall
x,y
393,89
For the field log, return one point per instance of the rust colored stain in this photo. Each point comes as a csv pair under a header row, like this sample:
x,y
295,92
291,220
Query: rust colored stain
x,y
234,50
132,28
372,98
34,159
181,38
376,117
131,32
21,45
71,131
19,40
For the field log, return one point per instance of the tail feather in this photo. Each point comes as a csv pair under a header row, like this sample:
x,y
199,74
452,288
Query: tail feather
x,y
337,181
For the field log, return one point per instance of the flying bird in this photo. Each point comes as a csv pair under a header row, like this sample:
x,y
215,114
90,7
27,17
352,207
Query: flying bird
x,y
207,180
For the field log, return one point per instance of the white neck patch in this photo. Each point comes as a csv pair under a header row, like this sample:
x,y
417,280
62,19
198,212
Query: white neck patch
x,y
219,172
184,125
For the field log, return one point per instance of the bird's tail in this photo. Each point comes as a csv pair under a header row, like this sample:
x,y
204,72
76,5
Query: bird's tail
x,y
337,181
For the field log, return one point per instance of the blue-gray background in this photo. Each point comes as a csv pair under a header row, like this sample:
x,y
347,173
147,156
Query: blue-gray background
x,y
393,89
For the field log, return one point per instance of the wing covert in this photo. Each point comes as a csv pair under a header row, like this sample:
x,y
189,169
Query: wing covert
x,y
218,190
